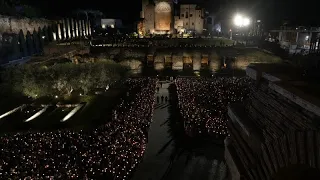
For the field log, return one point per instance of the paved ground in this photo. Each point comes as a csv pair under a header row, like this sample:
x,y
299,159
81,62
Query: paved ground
x,y
157,166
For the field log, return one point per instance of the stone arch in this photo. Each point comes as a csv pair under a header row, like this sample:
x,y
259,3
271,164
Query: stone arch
x,y
187,60
230,62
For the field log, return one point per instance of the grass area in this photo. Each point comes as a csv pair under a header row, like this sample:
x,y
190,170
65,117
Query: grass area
x,y
96,111
257,55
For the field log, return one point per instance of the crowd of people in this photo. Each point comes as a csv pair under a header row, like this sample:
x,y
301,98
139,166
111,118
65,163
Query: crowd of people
x,y
111,151
203,103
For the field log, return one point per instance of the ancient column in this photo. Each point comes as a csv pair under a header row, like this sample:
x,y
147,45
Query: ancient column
x,y
73,33
89,28
64,29
83,28
80,28
76,28
59,37
68,28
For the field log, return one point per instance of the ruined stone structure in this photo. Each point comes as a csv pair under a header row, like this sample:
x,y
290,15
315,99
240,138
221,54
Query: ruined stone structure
x,y
192,17
21,37
158,18
275,133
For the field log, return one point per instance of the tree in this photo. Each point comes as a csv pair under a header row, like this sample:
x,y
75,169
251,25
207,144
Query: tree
x,y
86,83
59,79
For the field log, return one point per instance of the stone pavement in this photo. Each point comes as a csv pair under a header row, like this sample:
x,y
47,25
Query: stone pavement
x,y
157,166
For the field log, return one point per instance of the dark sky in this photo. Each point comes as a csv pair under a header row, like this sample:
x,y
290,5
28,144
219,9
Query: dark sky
x,y
273,11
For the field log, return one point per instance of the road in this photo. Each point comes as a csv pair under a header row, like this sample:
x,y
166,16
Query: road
x,y
158,166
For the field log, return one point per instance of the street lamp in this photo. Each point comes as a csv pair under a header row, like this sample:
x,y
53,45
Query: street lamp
x,y
241,21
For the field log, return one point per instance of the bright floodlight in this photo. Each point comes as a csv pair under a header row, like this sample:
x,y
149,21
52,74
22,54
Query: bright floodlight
x,y
241,21
246,21
238,20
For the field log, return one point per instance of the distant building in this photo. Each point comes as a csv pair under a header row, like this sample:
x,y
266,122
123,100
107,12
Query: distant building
x,y
113,23
297,39
192,17
257,28
158,18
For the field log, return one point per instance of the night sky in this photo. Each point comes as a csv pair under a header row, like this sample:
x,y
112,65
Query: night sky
x,y
274,12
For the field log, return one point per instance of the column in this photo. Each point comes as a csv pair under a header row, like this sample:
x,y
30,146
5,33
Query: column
x,y
68,28
59,31
71,28
76,28
80,28
83,28
64,26
89,28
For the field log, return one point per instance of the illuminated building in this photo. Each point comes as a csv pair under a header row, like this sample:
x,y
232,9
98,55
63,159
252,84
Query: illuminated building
x,y
158,18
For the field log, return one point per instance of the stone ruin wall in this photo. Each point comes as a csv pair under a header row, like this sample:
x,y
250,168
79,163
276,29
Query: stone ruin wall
x,y
9,24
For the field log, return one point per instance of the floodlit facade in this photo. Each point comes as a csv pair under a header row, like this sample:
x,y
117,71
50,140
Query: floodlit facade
x,y
158,18
192,17
163,16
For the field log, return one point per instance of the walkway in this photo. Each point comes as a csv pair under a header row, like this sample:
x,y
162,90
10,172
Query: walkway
x,y
156,166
